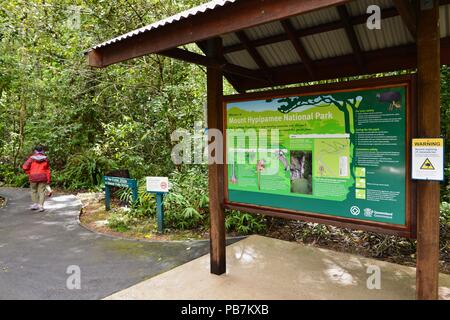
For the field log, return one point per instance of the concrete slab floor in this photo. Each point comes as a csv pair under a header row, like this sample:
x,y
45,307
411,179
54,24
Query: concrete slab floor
x,y
265,268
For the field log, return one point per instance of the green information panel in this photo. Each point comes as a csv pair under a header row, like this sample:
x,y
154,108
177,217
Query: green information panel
x,y
339,153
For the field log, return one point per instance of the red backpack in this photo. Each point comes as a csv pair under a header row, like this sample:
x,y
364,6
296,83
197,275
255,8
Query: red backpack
x,y
37,168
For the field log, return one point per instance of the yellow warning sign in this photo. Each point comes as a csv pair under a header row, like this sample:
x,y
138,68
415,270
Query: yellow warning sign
x,y
439,142
428,159
427,165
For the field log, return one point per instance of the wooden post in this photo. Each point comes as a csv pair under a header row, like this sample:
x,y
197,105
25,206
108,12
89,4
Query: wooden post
x,y
216,170
428,64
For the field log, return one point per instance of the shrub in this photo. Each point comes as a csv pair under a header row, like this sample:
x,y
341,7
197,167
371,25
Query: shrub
x,y
186,205
84,171
20,180
145,205
244,223
10,176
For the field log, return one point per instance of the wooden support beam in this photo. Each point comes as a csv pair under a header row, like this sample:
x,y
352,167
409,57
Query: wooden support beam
x,y
244,72
202,26
245,14
221,63
253,53
251,50
402,57
408,14
230,77
290,31
216,170
326,27
381,60
231,71
95,59
351,34
428,192
190,57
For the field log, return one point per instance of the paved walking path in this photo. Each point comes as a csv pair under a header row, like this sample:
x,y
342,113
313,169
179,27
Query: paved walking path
x,y
263,268
36,250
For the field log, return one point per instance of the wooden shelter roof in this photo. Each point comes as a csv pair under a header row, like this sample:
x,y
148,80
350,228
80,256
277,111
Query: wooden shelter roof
x,y
277,42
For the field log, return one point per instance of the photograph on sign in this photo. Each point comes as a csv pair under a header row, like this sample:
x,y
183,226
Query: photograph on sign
x,y
157,184
340,154
428,159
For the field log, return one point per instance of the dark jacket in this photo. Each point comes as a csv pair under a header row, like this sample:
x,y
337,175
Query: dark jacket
x,y
37,168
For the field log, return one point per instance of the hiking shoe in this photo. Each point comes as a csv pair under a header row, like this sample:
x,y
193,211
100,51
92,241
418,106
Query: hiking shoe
x,y
34,207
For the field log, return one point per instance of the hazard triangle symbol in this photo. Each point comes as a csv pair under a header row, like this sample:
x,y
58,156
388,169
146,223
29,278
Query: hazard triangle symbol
x,y
427,165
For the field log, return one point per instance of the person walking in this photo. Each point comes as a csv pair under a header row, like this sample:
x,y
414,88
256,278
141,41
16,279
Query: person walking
x,y
38,170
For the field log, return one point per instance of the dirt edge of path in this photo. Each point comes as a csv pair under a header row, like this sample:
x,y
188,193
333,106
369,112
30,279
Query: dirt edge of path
x,y
93,212
3,201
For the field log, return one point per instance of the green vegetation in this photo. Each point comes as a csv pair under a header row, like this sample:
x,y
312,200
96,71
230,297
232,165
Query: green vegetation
x,y
121,117
94,121
185,206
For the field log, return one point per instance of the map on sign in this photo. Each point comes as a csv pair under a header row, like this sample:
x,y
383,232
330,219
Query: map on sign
x,y
332,158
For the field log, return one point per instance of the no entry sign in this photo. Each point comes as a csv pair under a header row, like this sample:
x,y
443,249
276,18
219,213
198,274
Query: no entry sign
x,y
157,184
428,159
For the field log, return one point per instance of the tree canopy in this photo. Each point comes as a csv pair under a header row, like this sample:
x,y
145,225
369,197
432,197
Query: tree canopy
x,y
49,96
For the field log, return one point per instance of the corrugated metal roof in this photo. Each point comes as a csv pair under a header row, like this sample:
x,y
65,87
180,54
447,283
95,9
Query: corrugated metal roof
x,y
180,16
242,58
318,46
279,54
327,44
334,43
392,33
315,18
230,39
265,30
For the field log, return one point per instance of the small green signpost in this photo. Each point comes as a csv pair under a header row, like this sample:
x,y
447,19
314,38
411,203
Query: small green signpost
x,y
120,183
